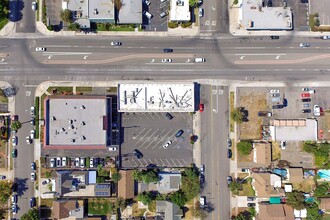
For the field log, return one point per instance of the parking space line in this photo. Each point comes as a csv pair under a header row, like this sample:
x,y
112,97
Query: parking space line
x,y
173,162
136,136
162,162
150,137
158,142
141,139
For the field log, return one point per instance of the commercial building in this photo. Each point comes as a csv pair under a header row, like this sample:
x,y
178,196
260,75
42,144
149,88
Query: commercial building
x,y
180,10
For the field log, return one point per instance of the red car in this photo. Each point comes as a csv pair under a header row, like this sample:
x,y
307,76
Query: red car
x,y
201,107
305,95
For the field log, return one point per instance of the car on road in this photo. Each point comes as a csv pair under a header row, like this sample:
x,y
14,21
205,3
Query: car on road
x,y
52,162
32,134
264,114
77,162
112,148
179,133
306,111
14,141
14,209
14,198
229,180
274,37
28,140
82,162
168,116
40,49
200,12
167,144
202,201
137,153
317,110
58,162
167,50
32,202
229,143
33,166
14,153
201,107
166,60
202,169
116,43
34,6
251,205
64,161
229,153
327,37
305,100
304,45
283,145
200,60
33,177
45,182
305,95
278,106
250,198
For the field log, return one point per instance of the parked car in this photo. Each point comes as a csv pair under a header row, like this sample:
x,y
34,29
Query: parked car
x,y
229,153
202,201
33,177
32,134
82,162
58,162
167,50
229,143
250,198
32,111
200,12
32,122
116,43
317,110
251,205
14,209
137,153
274,37
112,148
305,100
168,116
283,145
28,140
305,89
32,202
285,102
147,2
229,180
201,107
52,162
163,14
179,133
14,153
305,95
14,141
245,170
166,60
277,106
64,161
91,162
202,169
147,14
304,45
275,94
306,111
167,144
34,6
274,91
264,114
306,105
14,198
45,182
42,49
33,166
327,37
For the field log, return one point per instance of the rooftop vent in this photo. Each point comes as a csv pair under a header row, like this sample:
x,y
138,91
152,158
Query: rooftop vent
x,y
73,140
82,107
82,138
70,121
71,127
62,130
82,123
95,11
52,118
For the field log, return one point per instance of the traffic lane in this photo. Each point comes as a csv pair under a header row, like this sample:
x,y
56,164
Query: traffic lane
x,y
27,22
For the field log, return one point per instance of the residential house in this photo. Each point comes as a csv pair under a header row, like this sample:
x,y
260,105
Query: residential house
x,y
126,185
180,10
325,203
275,212
169,182
68,209
267,185
295,175
262,153
168,210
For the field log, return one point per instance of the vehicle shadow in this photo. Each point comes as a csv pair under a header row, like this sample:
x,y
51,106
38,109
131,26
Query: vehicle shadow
x,y
15,10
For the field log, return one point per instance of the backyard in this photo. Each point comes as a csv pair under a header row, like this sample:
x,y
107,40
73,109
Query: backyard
x,y
101,206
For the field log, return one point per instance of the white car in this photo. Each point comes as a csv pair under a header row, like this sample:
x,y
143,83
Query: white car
x,y
304,45
283,145
32,134
116,43
317,110
52,162
112,148
166,60
147,2
91,162
32,113
33,177
40,49
202,201
147,14
82,162
64,161
273,91
327,37
28,140
34,6
200,12
77,162
14,141
168,143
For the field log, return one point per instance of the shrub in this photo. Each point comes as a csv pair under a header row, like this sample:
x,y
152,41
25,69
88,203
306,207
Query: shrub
x,y
244,147
186,24
173,24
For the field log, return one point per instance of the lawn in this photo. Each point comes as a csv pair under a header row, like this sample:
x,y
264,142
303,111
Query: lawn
x,y
3,161
3,22
84,89
100,207
3,98
247,189
112,90
231,107
60,90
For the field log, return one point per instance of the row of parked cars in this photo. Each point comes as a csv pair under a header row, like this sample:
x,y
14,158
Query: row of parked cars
x,y
75,162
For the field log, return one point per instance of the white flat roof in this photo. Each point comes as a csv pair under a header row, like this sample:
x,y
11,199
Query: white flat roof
x,y
255,17
179,10
156,97
308,132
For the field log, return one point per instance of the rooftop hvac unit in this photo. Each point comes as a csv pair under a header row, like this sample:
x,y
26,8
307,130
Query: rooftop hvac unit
x,y
82,107
82,138
70,121
73,140
52,118
82,123
62,130
71,127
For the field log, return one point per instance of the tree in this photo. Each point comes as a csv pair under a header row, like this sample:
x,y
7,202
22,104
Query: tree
x,y
197,211
145,198
66,15
48,174
235,187
296,200
15,125
190,183
321,190
193,3
313,212
137,175
237,115
5,191
244,147
120,203
149,176
178,198
74,26
116,177
32,214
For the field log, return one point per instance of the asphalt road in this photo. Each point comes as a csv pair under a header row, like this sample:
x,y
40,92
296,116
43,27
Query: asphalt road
x,y
24,10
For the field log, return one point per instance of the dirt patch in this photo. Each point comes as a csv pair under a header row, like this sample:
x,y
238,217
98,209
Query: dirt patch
x,y
252,102
276,151
324,124
307,185
245,158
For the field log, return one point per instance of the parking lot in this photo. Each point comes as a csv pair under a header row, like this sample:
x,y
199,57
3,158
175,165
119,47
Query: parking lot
x,y
300,14
149,132
322,7
156,23
53,8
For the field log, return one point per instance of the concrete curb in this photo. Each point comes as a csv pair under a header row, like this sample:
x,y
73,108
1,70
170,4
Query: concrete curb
x,y
8,29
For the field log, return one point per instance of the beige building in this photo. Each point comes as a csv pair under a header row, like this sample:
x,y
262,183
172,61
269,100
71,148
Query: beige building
x,y
275,212
267,185
262,153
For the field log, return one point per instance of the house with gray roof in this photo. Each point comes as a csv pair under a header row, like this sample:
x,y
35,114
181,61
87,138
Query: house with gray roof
x,y
168,211
169,182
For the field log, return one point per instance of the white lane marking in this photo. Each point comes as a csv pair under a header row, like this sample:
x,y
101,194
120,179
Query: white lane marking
x,y
249,48
57,46
28,93
64,53
27,86
260,54
170,63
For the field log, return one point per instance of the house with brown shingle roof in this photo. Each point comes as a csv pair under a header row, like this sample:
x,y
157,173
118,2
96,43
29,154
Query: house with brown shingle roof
x,y
267,185
126,185
262,153
325,203
275,212
73,209
295,175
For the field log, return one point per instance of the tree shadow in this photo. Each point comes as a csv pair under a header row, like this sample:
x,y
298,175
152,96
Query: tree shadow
x,y
15,10
20,186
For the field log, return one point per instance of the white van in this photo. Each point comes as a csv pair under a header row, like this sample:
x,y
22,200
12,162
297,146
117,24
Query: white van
x,y
199,60
147,14
317,110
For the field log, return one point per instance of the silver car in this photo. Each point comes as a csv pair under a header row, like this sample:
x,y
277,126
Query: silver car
x,y
166,60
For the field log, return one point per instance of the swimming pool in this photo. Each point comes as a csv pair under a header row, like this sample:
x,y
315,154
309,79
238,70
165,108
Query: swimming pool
x,y
324,174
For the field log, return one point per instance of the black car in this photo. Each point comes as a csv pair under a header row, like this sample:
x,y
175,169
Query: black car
x,y
274,37
96,161
33,166
168,116
251,205
285,102
137,153
251,198
229,153
306,111
229,180
305,100
179,133
32,202
278,106
101,161
229,142
32,122
167,50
